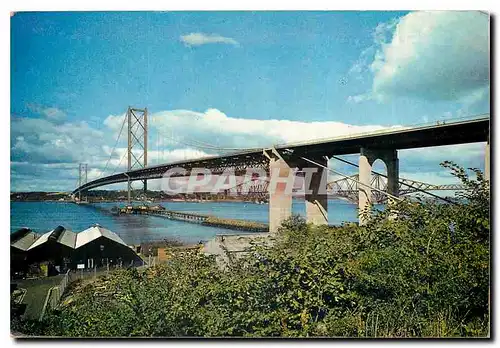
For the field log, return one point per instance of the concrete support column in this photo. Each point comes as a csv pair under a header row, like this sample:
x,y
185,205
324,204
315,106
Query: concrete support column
x,y
364,188
316,197
366,159
280,201
487,160
392,163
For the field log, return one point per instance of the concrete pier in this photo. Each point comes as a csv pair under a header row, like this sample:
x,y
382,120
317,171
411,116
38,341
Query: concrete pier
x,y
316,198
487,160
280,200
366,159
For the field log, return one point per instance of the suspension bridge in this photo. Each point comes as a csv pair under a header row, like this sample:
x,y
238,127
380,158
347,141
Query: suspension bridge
x,y
277,161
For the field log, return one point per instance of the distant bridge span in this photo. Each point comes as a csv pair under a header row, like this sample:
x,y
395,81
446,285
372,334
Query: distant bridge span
x,y
371,146
347,188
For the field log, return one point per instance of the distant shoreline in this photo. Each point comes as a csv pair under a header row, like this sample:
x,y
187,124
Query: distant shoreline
x,y
165,200
133,201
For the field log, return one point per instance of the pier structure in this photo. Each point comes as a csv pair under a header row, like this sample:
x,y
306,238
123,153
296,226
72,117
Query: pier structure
x,y
206,220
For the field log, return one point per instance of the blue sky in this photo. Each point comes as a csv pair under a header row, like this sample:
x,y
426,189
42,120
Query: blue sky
x,y
236,79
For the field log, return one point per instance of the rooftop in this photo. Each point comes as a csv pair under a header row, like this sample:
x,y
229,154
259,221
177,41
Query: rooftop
x,y
94,232
26,240
23,238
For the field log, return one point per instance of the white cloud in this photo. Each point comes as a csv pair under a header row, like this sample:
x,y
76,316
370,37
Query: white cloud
x,y
51,113
359,98
382,33
216,128
360,65
159,156
54,114
114,122
442,177
42,141
54,150
439,55
467,155
198,39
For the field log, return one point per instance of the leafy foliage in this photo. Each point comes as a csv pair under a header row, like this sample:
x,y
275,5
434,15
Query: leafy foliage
x,y
420,272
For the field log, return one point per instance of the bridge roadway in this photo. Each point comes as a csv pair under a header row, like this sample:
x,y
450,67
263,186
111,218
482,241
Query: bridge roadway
x,y
469,131
371,146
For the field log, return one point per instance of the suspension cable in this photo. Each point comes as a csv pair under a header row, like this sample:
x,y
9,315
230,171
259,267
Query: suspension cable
x,y
399,181
183,142
202,145
218,147
114,147
119,163
77,180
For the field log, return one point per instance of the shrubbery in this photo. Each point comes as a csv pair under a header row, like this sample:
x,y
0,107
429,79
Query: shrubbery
x,y
422,273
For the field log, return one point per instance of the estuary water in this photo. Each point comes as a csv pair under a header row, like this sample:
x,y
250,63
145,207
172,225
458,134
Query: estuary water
x,y
134,229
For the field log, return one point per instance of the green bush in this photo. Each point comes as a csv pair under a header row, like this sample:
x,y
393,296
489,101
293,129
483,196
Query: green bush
x,y
423,272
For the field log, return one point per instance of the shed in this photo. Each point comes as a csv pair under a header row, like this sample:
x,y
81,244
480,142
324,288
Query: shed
x,y
103,247
56,246
20,241
63,249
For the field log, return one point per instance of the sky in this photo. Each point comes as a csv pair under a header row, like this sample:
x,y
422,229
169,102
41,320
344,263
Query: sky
x,y
237,80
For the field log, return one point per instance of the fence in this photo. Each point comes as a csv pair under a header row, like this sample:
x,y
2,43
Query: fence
x,y
54,294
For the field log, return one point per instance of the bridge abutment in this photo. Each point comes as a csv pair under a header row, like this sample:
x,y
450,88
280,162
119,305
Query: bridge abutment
x,y
366,159
316,197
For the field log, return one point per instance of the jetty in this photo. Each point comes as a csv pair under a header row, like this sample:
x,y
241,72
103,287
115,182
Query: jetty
x,y
203,219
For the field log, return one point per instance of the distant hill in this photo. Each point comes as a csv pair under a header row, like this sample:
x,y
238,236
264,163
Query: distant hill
x,y
39,196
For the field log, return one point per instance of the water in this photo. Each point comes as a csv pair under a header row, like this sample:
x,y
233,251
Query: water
x,y
133,229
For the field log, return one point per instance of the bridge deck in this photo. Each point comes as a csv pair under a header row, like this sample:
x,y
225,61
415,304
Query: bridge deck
x,y
468,131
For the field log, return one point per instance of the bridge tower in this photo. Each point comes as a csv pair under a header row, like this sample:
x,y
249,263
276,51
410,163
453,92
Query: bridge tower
x,y
137,120
82,178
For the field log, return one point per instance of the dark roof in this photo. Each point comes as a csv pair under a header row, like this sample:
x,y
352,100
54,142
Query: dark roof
x,y
22,239
68,238
58,235
94,232
19,234
61,235
54,236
